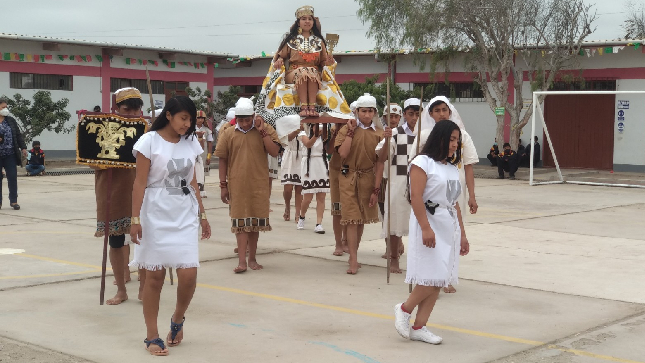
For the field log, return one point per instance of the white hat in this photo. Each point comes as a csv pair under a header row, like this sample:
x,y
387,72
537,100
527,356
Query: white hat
x,y
352,107
230,115
366,100
244,107
411,102
393,109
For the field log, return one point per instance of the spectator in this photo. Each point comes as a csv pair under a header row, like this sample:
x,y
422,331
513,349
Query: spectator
x,y
97,108
520,147
531,151
12,149
492,154
36,160
507,161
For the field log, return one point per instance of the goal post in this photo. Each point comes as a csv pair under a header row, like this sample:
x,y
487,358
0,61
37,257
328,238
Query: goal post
x,y
537,111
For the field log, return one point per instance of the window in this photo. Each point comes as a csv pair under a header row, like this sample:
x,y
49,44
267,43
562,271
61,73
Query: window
x,y
249,91
469,91
40,81
140,84
585,85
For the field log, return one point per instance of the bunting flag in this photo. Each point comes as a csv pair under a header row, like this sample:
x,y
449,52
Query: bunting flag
x,y
99,58
601,51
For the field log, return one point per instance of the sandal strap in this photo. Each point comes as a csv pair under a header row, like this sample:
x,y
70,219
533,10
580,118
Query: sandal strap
x,y
157,341
175,328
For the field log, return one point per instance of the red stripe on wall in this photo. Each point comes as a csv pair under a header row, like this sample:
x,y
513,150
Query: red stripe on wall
x,y
615,73
45,68
158,75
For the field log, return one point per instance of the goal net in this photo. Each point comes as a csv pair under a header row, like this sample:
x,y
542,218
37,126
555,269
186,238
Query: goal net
x,y
538,113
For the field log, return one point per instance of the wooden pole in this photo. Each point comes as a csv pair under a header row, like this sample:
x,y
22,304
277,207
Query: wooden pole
x,y
418,139
106,229
388,250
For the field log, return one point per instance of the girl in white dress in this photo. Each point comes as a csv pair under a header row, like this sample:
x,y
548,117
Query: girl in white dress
x,y
291,176
315,171
437,235
167,231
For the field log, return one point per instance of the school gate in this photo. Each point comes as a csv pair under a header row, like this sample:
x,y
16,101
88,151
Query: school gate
x,y
581,129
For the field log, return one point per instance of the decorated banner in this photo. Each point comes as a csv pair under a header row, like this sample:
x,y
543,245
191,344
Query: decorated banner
x,y
106,140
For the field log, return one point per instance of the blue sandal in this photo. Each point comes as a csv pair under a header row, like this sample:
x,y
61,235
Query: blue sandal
x,y
160,343
174,330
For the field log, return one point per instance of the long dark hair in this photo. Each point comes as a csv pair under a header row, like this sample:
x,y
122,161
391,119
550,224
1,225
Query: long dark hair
x,y
324,155
293,32
174,106
438,142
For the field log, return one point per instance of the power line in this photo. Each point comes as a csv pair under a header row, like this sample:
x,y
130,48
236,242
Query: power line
x,y
187,27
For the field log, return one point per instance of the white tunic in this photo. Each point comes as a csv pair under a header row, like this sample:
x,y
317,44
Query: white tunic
x,y
169,217
291,159
317,180
436,266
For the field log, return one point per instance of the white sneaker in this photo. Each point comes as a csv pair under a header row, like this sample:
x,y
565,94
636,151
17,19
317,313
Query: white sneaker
x,y
425,335
402,321
301,224
319,229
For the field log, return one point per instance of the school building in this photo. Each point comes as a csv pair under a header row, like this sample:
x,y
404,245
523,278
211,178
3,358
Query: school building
x,y
588,131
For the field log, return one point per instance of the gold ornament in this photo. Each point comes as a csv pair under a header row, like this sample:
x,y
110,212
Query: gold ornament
x,y
110,136
299,30
304,11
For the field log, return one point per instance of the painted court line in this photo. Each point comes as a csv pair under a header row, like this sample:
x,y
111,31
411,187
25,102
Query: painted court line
x,y
369,314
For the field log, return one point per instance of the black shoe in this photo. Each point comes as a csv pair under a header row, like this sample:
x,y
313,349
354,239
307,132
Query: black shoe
x,y
15,206
500,177
511,177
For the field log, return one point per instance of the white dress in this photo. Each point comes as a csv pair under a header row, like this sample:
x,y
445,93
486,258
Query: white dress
x,y
436,266
291,159
317,180
169,217
274,167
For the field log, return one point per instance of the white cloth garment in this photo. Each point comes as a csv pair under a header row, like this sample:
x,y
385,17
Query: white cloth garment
x,y
290,169
400,148
317,180
203,169
274,167
436,266
169,217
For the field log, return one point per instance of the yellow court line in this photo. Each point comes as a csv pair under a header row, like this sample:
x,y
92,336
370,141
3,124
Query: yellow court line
x,y
438,326
368,314
57,261
46,275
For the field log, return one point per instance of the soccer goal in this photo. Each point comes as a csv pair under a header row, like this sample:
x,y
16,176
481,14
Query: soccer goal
x,y
537,110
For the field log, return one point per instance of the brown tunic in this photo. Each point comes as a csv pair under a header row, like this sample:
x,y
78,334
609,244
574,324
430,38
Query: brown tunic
x,y
334,174
356,187
120,200
298,64
248,177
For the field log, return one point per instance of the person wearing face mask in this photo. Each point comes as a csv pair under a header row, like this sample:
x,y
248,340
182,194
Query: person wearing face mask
x,y
492,154
12,149
36,163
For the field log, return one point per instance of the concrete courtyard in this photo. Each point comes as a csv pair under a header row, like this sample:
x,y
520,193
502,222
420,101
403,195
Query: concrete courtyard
x,y
555,273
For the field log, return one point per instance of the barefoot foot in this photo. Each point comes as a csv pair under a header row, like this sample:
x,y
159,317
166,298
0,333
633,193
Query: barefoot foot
x,y
118,298
254,265
449,290
287,214
353,268
394,266
240,268
338,251
401,248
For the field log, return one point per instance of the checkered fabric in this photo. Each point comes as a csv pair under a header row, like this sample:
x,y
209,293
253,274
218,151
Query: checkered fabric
x,y
403,145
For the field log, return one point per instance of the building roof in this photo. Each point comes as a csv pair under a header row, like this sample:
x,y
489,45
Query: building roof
x,y
113,45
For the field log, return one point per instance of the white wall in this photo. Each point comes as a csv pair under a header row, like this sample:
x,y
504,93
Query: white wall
x,y
628,145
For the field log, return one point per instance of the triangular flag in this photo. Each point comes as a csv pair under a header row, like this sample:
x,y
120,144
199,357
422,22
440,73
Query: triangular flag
x,y
172,64
88,58
127,61
621,47
60,57
637,45
43,57
36,58
593,52
609,50
216,65
202,65
601,51
6,56
140,61
156,64
145,62
588,51
581,52
165,62
72,57
264,54
190,64
30,58
21,57
133,60
81,58
99,58
49,57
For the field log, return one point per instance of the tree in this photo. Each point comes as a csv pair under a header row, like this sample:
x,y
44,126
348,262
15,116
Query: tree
x,y
226,100
203,100
498,40
635,23
353,89
45,114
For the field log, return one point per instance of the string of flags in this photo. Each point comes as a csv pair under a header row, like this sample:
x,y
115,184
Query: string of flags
x,y
42,58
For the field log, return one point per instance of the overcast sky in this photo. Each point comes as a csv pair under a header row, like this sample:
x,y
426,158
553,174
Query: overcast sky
x,y
244,27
